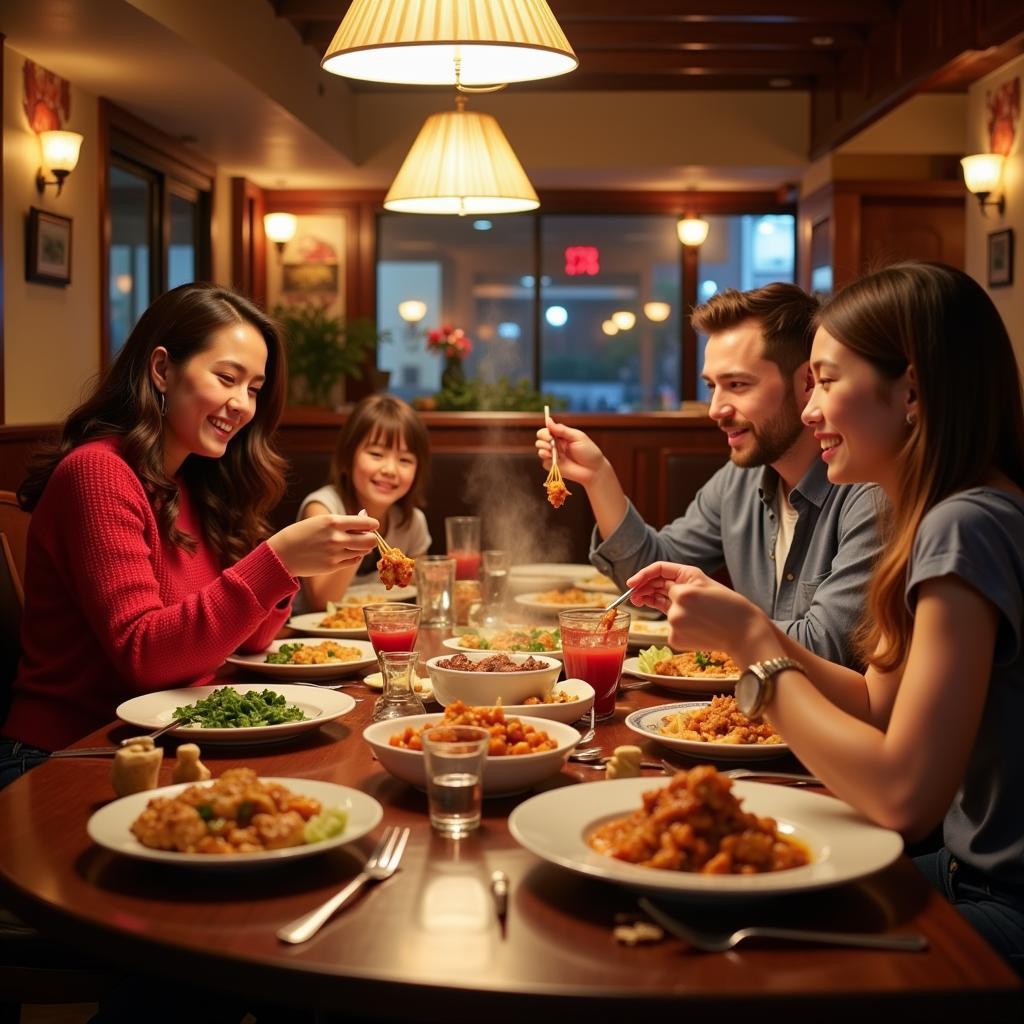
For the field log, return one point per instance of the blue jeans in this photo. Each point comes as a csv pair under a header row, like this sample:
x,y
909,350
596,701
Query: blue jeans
x,y
16,758
997,912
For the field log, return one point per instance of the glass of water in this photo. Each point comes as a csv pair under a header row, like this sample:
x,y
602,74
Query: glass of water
x,y
454,758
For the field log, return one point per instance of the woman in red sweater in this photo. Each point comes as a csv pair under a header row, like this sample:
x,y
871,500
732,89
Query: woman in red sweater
x,y
149,555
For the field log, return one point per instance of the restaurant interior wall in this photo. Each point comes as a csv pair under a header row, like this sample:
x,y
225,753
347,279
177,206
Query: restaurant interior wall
x,y
1009,299
51,333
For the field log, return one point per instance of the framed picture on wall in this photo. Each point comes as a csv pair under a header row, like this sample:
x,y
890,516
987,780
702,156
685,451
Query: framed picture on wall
x,y
1000,258
48,255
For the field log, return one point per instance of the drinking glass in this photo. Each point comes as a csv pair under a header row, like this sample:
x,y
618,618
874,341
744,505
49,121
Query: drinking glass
x,y
595,654
454,758
392,626
466,601
462,537
398,697
435,582
494,582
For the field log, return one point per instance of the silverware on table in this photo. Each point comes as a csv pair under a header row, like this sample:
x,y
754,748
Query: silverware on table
x,y
382,863
594,757
719,942
787,778
106,751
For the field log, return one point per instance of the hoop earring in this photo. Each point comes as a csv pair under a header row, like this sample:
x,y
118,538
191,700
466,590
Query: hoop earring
x,y
163,404
911,420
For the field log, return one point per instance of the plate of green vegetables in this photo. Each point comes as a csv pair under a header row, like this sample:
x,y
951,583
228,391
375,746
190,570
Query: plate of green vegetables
x,y
237,713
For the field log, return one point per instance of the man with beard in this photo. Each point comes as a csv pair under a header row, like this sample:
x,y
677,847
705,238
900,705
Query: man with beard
x,y
796,545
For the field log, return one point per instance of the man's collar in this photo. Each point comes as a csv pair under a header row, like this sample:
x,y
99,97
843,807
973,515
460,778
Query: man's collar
x,y
814,485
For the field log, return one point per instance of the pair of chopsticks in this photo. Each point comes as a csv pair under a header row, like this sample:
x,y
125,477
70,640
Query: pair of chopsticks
x,y
383,546
554,447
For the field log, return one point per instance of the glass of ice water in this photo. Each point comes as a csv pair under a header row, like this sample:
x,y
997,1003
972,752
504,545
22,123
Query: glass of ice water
x,y
454,758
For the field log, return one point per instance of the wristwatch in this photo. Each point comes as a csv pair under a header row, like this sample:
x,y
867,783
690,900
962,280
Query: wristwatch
x,y
756,686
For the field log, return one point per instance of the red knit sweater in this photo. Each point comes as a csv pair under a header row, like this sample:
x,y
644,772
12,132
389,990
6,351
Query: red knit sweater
x,y
113,609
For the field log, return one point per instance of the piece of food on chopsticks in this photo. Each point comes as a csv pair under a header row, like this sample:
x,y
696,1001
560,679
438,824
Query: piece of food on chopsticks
x,y
239,813
395,568
555,485
696,824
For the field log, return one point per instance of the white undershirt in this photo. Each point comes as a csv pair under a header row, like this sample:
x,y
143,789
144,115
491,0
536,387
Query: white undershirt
x,y
784,538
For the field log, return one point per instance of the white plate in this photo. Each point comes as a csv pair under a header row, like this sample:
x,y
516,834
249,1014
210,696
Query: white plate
x,y
682,684
546,575
358,593
332,670
547,608
309,624
452,643
844,846
153,710
423,688
597,583
644,633
647,722
567,712
110,826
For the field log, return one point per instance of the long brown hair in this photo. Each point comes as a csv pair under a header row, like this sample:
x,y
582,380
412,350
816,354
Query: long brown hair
x,y
233,493
784,312
388,420
942,323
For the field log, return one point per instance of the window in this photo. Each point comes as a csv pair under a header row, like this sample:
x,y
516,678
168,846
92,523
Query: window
x,y
158,205
586,306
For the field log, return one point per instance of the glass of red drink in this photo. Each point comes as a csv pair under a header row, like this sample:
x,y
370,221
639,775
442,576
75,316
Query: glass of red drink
x,y
462,537
392,626
594,653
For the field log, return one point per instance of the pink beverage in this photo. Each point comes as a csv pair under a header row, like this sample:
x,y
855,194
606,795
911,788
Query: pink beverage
x,y
467,564
595,654
599,666
397,638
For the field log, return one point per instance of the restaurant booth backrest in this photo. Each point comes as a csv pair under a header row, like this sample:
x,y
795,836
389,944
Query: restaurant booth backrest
x,y
504,487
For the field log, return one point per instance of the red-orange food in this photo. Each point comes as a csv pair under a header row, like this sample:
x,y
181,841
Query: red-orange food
x,y
509,736
696,824
557,492
395,569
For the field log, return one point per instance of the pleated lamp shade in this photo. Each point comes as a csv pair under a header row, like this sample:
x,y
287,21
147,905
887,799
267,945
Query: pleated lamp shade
x,y
461,163
417,42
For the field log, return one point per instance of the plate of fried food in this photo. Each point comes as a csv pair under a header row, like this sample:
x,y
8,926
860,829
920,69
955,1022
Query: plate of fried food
x,y
308,659
375,593
645,632
239,713
687,671
420,684
551,602
711,730
627,831
235,822
339,620
597,583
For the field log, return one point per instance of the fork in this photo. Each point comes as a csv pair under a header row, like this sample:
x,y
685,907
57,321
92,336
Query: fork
x,y
382,863
719,942
591,732
104,751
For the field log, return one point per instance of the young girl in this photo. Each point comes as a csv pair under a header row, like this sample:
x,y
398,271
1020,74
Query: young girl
x,y
380,466
931,731
147,562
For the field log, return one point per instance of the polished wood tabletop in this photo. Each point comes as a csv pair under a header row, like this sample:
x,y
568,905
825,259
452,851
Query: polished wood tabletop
x,y
427,944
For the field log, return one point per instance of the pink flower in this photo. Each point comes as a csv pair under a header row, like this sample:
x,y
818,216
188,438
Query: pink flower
x,y
451,342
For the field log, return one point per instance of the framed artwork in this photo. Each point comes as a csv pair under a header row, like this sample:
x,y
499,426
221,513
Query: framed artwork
x,y
48,241
1000,258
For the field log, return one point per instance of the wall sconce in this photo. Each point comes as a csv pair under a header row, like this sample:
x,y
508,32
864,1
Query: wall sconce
x,y
624,320
981,175
412,311
60,155
280,228
657,312
692,230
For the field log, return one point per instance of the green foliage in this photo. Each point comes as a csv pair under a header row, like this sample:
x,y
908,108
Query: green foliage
x,y
323,350
501,396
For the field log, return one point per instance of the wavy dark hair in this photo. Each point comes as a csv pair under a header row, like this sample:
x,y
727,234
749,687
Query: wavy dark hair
x,y
233,493
942,323
386,419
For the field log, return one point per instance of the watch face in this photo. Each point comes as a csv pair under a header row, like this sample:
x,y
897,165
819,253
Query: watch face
x,y
748,689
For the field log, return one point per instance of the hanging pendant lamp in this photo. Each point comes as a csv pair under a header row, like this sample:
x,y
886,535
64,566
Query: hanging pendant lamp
x,y
461,163
421,42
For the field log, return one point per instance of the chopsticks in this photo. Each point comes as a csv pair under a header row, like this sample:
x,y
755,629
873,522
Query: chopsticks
x,y
554,448
383,546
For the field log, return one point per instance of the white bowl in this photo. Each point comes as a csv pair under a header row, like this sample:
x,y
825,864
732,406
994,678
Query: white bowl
x,y
567,711
479,688
502,775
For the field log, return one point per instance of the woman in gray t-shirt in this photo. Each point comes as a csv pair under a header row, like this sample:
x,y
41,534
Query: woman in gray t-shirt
x,y
930,732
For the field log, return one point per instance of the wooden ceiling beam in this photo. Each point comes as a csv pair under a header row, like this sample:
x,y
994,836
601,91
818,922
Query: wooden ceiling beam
x,y
620,35
701,62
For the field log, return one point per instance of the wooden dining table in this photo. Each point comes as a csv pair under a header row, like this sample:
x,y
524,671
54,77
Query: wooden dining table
x,y
427,944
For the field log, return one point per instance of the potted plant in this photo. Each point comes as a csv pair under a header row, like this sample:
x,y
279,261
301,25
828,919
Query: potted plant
x,y
323,350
